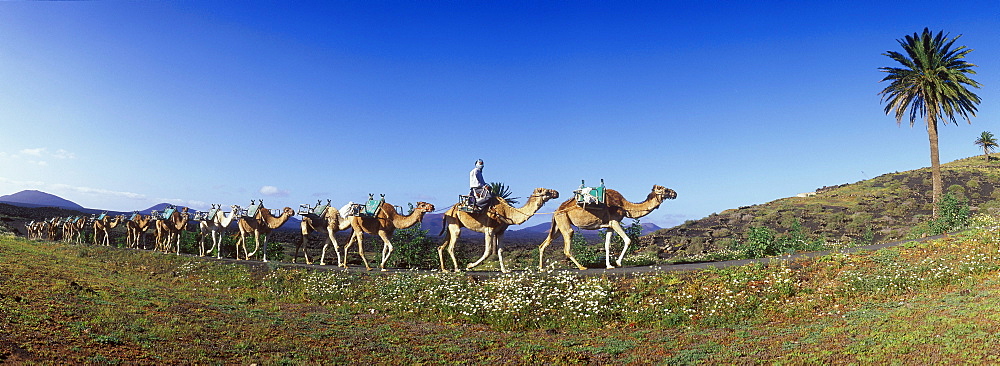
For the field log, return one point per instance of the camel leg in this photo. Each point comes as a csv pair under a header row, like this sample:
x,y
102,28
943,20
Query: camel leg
x,y
453,232
336,248
264,252
617,226
441,248
303,244
567,241
217,244
607,250
361,250
386,249
305,249
553,231
255,248
498,238
486,251
241,243
201,245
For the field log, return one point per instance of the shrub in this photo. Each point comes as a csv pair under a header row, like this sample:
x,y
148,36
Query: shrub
x,y
953,213
586,254
413,249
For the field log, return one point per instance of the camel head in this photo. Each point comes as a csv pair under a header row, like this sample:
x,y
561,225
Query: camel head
x,y
663,192
287,211
424,206
545,193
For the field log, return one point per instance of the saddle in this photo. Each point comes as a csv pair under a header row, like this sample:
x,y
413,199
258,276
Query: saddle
x,y
468,203
318,210
102,216
168,212
368,209
254,207
590,196
211,213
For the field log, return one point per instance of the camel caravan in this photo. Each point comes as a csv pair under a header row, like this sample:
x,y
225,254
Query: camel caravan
x,y
590,208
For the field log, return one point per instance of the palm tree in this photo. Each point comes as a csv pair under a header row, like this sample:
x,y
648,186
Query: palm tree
x,y
987,142
932,83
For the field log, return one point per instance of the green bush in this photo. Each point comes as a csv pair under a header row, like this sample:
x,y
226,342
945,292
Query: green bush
x,y
586,254
953,213
413,249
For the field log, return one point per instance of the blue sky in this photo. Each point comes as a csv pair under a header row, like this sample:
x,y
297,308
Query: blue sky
x,y
121,105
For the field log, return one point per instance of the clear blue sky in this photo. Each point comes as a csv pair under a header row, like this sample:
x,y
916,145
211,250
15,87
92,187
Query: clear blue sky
x,y
124,104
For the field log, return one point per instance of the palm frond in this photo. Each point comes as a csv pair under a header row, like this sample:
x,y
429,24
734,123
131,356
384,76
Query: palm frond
x,y
498,189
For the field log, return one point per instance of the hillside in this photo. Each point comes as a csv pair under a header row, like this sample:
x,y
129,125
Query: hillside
x,y
39,199
880,209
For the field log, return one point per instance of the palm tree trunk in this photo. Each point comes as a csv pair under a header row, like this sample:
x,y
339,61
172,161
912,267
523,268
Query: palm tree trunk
x,y
932,135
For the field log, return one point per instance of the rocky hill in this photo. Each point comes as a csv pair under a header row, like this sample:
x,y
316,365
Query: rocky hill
x,y
880,209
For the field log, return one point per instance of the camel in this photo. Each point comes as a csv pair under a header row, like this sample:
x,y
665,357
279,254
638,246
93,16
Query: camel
x,y
171,227
216,225
383,224
329,221
53,228
31,229
81,223
73,229
260,224
104,226
135,229
492,222
608,216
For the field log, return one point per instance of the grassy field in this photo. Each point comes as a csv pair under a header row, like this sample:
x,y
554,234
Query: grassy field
x,y
918,303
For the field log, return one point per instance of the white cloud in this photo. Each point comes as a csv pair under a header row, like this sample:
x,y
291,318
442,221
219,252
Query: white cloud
x,y
273,191
99,191
33,152
63,154
35,155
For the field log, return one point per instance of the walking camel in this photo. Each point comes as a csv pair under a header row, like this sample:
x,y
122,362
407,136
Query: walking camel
x,y
215,223
383,224
72,229
104,227
492,222
170,228
328,221
135,228
608,216
53,228
260,224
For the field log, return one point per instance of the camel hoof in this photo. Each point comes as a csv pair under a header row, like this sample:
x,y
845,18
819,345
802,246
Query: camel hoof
x,y
609,267
384,270
582,268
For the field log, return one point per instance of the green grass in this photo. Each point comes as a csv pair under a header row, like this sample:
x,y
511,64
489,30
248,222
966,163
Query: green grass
x,y
928,303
